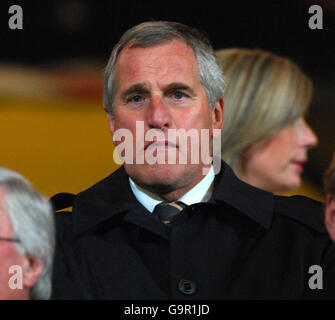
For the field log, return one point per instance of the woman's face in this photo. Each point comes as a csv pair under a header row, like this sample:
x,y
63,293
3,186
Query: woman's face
x,y
276,164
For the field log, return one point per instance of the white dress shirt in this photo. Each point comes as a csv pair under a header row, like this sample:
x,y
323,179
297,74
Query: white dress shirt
x,y
199,193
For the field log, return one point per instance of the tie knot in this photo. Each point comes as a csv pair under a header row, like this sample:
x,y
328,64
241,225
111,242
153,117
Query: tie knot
x,y
167,210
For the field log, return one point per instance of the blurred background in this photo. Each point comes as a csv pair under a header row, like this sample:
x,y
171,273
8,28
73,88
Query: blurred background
x,y
52,124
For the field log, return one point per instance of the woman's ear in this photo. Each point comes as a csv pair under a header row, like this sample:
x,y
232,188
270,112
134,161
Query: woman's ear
x,y
330,216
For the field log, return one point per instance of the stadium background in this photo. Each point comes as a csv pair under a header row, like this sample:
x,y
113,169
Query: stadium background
x,y
52,125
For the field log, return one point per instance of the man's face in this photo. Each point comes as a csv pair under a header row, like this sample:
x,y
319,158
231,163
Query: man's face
x,y
8,255
159,87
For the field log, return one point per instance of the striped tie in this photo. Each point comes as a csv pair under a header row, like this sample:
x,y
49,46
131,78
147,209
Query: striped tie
x,y
166,211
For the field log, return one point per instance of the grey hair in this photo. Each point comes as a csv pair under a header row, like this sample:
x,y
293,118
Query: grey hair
x,y
31,216
150,34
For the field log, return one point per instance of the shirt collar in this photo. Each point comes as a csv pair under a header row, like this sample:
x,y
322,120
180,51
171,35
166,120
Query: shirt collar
x,y
113,196
199,193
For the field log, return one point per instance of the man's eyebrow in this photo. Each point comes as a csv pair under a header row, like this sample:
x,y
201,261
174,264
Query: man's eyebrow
x,y
179,86
136,88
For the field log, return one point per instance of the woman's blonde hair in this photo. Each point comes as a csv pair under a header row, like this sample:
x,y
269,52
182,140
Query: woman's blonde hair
x,y
264,93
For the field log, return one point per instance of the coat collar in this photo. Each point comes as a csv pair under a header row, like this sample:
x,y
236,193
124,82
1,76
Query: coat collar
x,y
113,197
108,198
256,203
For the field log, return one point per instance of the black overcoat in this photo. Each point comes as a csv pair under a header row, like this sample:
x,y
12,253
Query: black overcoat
x,y
245,243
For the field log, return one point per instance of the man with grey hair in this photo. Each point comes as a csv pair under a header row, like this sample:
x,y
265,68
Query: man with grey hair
x,y
174,229
27,240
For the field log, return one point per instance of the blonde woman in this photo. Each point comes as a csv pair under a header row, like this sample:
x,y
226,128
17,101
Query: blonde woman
x,y
265,137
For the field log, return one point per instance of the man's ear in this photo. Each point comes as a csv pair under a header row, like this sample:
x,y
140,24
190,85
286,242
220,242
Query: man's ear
x,y
111,121
330,216
218,117
32,269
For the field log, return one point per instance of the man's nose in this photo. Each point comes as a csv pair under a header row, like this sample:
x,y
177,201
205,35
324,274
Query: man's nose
x,y
308,137
158,114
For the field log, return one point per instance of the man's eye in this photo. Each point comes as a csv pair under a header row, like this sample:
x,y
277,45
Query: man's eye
x,y
178,95
135,99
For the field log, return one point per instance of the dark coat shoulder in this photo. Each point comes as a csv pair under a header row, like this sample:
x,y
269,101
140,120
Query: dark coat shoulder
x,y
302,210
